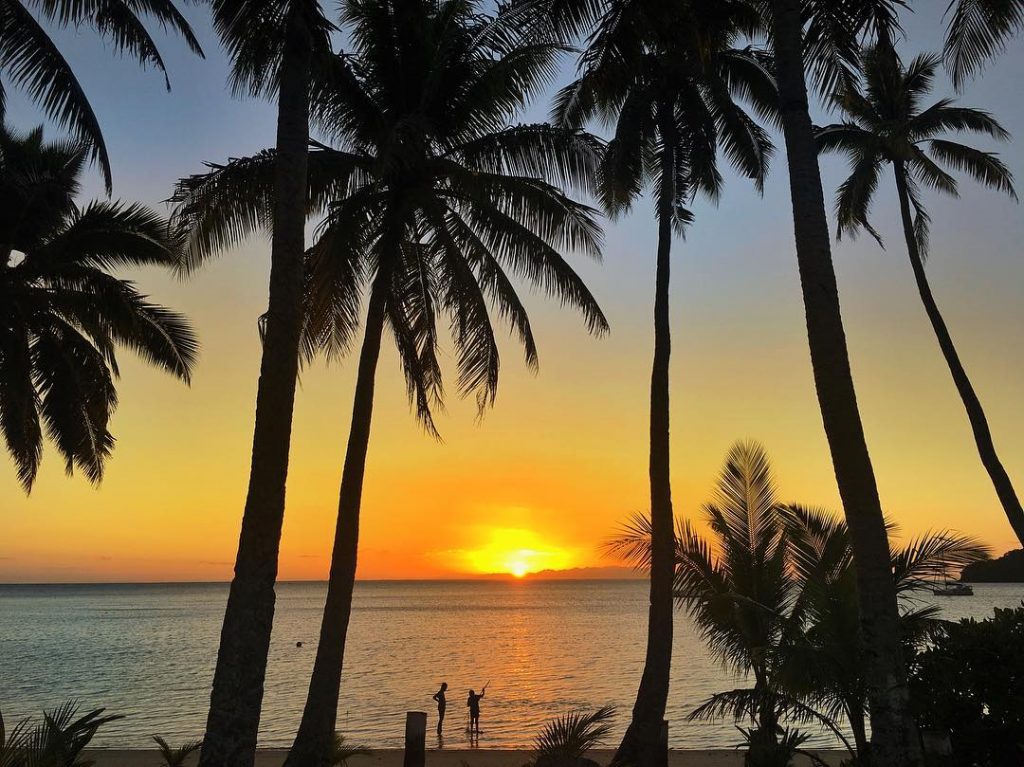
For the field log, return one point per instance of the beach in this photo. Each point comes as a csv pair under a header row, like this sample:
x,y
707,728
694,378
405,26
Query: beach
x,y
459,758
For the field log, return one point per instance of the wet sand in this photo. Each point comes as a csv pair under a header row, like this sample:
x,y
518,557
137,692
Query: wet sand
x,y
453,758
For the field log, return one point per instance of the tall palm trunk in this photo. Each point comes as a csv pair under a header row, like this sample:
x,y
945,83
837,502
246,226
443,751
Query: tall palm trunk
x,y
642,744
894,738
233,720
975,414
316,731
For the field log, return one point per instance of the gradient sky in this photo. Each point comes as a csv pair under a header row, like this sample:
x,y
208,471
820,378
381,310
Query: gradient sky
x,y
561,460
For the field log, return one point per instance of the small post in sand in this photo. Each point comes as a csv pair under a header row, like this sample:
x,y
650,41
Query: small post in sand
x,y
415,739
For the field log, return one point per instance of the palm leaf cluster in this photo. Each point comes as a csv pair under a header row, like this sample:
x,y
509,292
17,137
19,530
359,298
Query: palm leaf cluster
x,y
565,740
63,314
428,196
56,741
773,593
176,756
672,101
887,122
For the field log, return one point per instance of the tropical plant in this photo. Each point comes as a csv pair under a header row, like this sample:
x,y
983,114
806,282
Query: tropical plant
x,y
430,199
823,38
968,683
565,741
773,593
341,752
171,756
32,61
887,123
57,741
275,48
666,79
63,315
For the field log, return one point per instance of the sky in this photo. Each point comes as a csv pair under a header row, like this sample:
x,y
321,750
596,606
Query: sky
x,y
547,476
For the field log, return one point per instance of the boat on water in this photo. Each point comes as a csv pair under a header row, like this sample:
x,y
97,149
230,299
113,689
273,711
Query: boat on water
x,y
954,589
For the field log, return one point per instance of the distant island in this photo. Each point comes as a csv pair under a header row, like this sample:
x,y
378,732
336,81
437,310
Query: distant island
x,y
608,573
1009,568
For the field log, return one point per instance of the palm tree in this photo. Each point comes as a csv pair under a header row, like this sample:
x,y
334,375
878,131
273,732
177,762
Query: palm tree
x,y
665,79
565,740
274,47
430,199
977,31
828,46
175,756
737,587
63,314
31,61
56,741
886,122
773,593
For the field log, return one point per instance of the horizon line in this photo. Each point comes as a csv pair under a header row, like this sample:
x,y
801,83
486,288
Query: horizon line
x,y
466,579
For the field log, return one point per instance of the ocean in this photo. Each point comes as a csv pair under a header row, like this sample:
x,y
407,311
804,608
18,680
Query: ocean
x,y
147,651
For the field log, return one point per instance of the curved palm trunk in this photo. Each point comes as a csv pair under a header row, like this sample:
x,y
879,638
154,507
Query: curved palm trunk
x,y
975,414
233,720
642,744
315,737
855,715
895,742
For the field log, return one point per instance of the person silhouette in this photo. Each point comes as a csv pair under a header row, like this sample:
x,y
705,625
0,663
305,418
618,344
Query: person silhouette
x,y
441,705
473,701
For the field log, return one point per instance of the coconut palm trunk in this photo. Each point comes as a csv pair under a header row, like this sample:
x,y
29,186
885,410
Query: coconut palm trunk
x,y
315,737
894,739
237,696
975,414
642,744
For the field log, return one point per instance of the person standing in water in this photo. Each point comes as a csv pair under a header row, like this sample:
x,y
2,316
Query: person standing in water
x,y
441,705
473,701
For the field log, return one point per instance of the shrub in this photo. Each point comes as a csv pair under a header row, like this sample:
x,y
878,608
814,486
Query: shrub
x,y
970,683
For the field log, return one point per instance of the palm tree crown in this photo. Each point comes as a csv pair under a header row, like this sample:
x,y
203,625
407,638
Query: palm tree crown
x,y
668,94
773,593
426,191
63,314
887,122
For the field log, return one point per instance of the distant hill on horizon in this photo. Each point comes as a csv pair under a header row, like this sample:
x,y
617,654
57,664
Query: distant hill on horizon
x,y
1009,568
613,573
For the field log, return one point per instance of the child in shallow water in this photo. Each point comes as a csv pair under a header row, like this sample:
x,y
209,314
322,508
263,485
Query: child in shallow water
x,y
473,701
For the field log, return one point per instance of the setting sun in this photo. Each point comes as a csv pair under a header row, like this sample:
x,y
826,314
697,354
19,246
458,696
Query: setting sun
x,y
516,552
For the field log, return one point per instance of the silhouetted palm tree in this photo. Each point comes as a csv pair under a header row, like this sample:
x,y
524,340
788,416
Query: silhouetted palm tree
x,y
773,593
273,46
823,38
887,123
431,198
665,77
977,31
31,60
63,314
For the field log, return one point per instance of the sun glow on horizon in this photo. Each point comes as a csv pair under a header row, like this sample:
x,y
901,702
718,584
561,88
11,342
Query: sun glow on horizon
x,y
516,552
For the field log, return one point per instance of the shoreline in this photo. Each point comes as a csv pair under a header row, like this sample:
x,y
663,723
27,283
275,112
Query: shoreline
x,y
455,757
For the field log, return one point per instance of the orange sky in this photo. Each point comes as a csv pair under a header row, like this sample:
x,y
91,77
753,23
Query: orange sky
x,y
548,474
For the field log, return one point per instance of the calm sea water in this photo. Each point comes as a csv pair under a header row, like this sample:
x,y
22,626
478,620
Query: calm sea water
x,y
147,651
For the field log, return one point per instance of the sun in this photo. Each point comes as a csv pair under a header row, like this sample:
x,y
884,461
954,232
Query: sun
x,y
516,552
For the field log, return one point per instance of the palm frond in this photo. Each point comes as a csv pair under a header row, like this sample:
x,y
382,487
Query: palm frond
x,y
976,32
563,741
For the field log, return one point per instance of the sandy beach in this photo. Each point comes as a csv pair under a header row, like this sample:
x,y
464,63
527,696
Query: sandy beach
x,y
456,758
